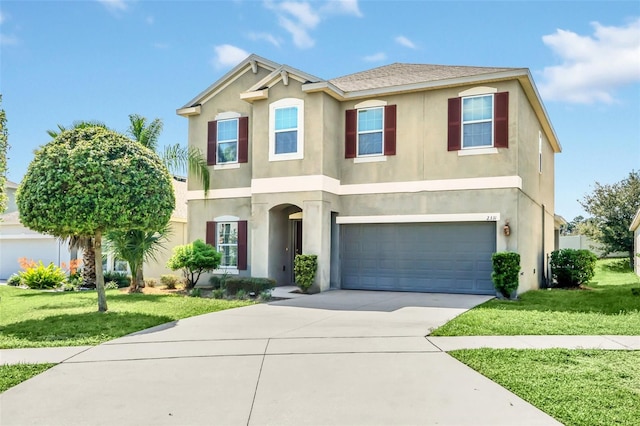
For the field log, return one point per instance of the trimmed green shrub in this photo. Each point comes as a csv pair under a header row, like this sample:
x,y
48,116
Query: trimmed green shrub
x,y
219,281
150,282
194,259
506,269
119,277
248,285
169,281
218,293
39,276
14,280
572,268
241,294
304,269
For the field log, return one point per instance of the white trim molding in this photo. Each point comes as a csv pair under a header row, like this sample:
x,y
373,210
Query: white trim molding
x,y
328,184
420,218
219,194
479,90
477,151
370,103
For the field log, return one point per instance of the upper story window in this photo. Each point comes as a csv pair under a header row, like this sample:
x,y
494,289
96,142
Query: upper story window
x,y
478,121
286,129
227,141
370,130
370,138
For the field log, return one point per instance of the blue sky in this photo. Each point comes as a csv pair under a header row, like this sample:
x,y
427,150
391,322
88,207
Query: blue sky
x,y
62,61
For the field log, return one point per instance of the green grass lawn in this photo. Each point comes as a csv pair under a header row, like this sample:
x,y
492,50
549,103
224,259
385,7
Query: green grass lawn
x,y
11,375
609,308
32,318
577,387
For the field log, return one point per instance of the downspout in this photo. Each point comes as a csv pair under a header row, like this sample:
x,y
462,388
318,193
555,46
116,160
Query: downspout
x,y
543,283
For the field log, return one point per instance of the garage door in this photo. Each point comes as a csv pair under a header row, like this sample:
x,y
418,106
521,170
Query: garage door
x,y
422,257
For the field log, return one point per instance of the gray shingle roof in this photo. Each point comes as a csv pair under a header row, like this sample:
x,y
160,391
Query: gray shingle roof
x,y
401,74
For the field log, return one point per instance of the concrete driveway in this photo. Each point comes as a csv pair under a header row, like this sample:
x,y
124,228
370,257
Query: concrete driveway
x,y
336,358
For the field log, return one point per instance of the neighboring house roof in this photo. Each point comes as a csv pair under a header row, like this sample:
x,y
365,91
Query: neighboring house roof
x,y
381,81
10,184
399,74
635,223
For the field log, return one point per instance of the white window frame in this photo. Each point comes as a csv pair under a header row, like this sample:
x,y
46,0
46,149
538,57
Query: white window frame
x,y
218,141
491,120
286,103
220,245
358,132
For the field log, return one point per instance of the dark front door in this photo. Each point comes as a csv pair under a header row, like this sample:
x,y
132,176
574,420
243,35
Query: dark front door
x,y
296,242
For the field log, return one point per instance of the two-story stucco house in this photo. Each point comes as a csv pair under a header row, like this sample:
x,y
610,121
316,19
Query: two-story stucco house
x,y
403,177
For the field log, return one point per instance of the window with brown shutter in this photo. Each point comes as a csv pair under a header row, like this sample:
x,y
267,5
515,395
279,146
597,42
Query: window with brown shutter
x,y
212,138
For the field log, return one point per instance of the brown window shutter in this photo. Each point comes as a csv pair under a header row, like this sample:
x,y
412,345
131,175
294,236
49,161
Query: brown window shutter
x,y
212,139
211,234
501,120
454,131
242,245
390,130
351,133
243,139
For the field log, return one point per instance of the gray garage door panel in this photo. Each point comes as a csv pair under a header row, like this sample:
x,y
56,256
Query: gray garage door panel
x,y
424,257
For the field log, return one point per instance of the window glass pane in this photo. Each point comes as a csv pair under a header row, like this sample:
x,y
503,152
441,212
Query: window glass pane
x,y
228,233
369,119
228,243
227,152
229,256
227,130
370,143
479,108
477,134
286,142
286,118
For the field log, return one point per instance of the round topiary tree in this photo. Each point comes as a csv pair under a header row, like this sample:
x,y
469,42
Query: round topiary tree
x,y
91,180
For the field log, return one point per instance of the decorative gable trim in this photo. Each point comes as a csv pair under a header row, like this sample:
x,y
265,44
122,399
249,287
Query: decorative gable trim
x,y
251,63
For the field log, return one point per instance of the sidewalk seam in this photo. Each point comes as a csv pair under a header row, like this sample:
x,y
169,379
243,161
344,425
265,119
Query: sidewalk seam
x,y
255,391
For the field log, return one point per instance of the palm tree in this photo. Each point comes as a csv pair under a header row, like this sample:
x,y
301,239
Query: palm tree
x,y
137,247
178,159
134,246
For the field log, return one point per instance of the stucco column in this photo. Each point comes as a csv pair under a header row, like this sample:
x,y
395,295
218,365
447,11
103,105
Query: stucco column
x,y
316,239
259,240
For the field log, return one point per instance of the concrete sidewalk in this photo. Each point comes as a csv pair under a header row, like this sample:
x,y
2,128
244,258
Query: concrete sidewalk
x,y
339,358
442,344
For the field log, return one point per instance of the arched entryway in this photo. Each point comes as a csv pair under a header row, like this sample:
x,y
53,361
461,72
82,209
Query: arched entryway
x,y
285,241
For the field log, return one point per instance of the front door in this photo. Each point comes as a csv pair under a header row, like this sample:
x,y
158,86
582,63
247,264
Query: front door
x,y
296,242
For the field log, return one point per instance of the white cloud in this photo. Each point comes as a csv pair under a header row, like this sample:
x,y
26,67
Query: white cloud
x,y
299,33
2,18
114,5
342,7
593,67
376,57
299,18
404,41
266,37
150,20
228,56
7,40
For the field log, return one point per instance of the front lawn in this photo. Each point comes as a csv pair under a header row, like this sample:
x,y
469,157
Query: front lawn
x,y
609,308
32,318
11,375
577,387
